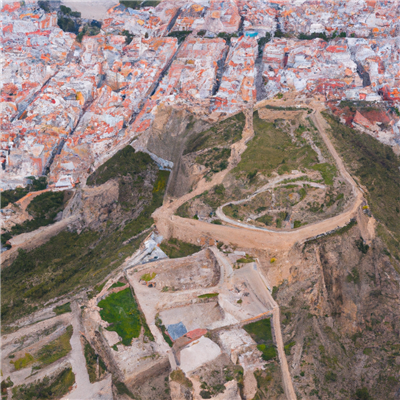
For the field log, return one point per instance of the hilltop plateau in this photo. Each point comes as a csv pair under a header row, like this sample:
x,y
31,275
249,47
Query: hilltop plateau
x,y
200,200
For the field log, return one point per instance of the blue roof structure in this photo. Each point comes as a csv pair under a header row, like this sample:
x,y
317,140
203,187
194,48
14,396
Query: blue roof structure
x,y
176,330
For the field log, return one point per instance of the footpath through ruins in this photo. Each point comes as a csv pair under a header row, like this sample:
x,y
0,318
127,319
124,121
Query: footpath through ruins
x,y
247,236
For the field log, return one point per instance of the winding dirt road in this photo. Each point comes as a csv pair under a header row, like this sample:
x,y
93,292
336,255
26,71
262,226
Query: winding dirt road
x,y
271,185
243,235
193,231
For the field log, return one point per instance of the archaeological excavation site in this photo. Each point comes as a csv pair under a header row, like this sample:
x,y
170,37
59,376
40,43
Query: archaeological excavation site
x,y
200,199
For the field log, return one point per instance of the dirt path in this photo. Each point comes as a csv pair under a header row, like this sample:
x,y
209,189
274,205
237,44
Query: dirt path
x,y
25,201
31,240
271,185
191,230
252,237
77,359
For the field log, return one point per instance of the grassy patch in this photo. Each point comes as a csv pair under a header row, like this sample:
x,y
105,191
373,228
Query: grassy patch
x,y
223,133
122,312
216,159
377,168
266,219
273,150
261,332
246,260
117,284
183,210
56,349
65,308
125,162
175,248
91,363
208,295
148,277
327,171
268,382
47,388
179,376
122,389
23,362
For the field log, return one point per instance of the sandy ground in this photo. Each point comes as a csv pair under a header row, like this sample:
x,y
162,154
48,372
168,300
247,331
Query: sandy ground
x,y
95,9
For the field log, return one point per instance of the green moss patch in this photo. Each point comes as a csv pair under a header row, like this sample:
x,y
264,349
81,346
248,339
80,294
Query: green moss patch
x,y
122,312
23,362
148,277
117,284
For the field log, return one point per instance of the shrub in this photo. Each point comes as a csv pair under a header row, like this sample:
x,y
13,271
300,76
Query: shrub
x,y
266,219
23,362
175,248
148,277
362,246
363,394
67,24
208,295
353,276
180,35
56,349
288,348
65,308
179,376
47,388
330,376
